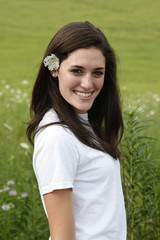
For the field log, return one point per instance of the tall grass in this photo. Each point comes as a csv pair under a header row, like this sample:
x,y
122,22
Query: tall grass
x,y
21,212
141,177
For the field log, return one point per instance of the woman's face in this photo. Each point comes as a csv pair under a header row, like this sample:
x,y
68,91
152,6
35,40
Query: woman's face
x,y
81,77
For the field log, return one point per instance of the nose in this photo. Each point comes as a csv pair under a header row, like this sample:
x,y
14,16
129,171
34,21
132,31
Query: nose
x,y
86,82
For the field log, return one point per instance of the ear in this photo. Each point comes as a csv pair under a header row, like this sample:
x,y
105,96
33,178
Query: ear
x,y
54,73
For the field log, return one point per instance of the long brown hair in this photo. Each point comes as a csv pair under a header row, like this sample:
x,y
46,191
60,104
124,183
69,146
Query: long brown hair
x,y
105,114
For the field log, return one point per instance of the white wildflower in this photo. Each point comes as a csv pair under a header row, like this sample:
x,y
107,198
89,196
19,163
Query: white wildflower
x,y
25,82
7,86
124,88
138,100
152,113
140,109
17,97
3,81
155,95
52,62
7,126
12,91
24,145
19,100
19,91
25,95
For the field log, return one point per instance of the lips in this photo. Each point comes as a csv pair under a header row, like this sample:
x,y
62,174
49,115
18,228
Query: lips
x,y
83,94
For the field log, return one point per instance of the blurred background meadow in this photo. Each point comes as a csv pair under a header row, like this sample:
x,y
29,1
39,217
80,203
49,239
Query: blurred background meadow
x,y
133,29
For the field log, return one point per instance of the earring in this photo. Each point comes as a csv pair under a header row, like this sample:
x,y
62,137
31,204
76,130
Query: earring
x,y
54,75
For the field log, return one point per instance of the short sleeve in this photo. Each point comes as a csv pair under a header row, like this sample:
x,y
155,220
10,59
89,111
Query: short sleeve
x,y
55,159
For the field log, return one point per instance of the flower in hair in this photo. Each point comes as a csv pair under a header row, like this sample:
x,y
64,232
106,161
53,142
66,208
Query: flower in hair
x,y
52,62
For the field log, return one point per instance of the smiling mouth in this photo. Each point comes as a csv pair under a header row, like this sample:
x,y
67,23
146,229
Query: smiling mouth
x,y
82,94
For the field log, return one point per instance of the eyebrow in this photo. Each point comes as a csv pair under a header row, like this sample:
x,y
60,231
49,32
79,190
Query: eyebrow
x,y
77,66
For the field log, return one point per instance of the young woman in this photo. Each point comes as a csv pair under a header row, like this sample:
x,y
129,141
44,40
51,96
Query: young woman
x,y
76,127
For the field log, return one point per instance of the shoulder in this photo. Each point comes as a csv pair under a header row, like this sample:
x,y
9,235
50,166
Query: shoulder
x,y
53,134
49,117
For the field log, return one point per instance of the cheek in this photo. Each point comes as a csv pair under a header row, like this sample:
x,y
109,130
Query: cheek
x,y
100,84
65,83
62,80
61,84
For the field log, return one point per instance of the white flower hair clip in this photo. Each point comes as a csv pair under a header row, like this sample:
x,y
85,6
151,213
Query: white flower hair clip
x,y
52,62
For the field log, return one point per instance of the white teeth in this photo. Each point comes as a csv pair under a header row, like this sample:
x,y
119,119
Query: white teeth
x,y
83,94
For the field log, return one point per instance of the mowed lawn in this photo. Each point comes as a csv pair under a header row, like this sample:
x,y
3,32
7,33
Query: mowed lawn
x,y
132,28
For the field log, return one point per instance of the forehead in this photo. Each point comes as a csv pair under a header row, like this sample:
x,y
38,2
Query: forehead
x,y
83,56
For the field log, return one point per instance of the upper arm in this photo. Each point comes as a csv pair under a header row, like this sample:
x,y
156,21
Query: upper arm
x,y
60,214
55,162
55,159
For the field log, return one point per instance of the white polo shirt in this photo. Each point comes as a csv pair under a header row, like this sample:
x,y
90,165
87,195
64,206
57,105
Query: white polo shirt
x,y
61,161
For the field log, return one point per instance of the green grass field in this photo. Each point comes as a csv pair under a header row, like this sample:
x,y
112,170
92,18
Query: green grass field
x,y
27,26
132,28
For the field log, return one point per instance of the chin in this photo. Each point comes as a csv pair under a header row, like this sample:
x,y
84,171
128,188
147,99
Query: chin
x,y
80,109
83,110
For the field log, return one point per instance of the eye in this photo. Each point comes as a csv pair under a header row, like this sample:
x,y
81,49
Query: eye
x,y
76,71
98,73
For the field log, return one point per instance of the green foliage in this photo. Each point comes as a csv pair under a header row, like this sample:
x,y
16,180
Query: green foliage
x,y
22,217
25,220
21,213
140,174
